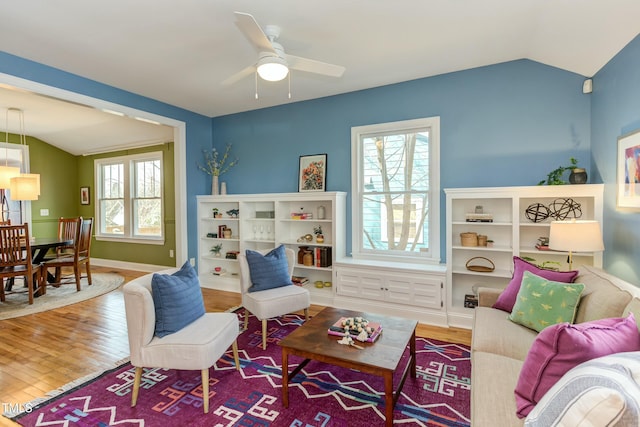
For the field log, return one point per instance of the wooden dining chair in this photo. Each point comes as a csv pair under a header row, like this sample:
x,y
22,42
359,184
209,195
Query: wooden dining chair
x,y
68,229
15,260
81,256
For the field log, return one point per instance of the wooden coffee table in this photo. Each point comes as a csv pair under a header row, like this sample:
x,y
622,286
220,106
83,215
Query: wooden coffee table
x,y
312,342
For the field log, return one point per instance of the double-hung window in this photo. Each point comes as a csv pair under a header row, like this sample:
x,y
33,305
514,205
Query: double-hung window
x,y
130,198
396,191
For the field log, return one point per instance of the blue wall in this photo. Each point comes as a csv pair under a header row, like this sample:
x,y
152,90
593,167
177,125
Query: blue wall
x,y
502,125
506,124
198,127
616,112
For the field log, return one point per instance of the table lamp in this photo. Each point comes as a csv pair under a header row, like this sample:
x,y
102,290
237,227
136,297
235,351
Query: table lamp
x,y
575,236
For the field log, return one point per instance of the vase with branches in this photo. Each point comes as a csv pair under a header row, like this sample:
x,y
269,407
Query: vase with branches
x,y
216,165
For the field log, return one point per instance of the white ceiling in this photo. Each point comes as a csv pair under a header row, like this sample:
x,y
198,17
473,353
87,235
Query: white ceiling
x,y
180,52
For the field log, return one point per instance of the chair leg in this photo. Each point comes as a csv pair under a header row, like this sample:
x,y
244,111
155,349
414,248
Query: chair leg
x,y
306,314
42,283
136,386
78,274
2,289
236,359
88,267
246,319
264,334
29,280
205,389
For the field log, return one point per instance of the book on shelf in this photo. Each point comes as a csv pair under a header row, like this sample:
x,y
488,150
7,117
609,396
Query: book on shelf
x,y
338,330
470,301
301,215
299,280
479,217
322,257
542,247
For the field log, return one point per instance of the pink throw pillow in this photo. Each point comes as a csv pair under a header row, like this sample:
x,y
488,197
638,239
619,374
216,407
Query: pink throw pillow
x,y
562,346
507,298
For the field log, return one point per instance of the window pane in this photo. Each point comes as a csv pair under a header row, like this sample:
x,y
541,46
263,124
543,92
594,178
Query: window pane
x,y
113,181
148,217
112,212
395,222
148,178
396,162
395,193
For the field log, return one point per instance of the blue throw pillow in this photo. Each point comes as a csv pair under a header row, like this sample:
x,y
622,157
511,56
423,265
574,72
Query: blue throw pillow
x,y
177,298
268,271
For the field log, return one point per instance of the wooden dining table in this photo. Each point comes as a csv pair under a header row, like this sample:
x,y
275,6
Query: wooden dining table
x,y
39,248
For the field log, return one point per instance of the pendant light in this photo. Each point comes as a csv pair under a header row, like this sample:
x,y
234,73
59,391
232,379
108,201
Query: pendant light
x,y
25,186
7,172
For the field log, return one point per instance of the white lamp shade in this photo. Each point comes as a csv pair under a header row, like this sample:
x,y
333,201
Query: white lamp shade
x,y
272,68
6,173
576,236
25,187
36,176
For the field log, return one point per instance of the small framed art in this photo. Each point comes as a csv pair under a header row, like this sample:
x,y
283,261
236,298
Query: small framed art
x,y
312,173
628,179
85,198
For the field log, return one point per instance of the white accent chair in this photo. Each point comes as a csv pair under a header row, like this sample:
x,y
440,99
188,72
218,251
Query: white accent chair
x,y
197,346
271,302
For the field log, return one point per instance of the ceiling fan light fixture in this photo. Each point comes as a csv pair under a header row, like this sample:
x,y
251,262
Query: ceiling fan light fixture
x,y
272,68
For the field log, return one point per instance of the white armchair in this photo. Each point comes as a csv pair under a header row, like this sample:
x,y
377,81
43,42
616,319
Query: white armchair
x,y
274,302
197,346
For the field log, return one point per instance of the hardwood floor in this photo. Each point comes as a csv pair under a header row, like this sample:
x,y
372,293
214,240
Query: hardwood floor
x,y
43,351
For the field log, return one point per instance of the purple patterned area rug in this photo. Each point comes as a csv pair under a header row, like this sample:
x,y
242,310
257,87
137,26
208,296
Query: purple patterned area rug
x,y
321,395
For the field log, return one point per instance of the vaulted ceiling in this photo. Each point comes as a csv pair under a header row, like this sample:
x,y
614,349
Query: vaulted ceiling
x,y
181,52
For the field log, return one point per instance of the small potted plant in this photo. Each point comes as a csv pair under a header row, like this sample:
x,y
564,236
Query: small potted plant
x,y
555,177
318,232
216,249
215,213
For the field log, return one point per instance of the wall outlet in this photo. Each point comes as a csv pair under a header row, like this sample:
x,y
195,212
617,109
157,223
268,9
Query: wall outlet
x,y
192,261
44,212
170,253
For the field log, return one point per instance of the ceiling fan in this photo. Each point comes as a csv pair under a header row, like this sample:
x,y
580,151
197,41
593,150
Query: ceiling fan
x,y
273,63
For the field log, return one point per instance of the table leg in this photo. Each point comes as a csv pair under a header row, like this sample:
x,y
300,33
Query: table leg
x,y
412,353
388,398
285,377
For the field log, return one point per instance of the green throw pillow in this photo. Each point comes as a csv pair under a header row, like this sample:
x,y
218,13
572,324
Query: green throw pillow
x,y
543,302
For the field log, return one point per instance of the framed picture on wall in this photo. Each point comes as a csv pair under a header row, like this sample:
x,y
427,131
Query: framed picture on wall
x,y
85,198
312,173
628,179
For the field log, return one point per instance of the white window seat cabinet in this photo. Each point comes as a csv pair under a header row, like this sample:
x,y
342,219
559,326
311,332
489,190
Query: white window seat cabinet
x,y
415,291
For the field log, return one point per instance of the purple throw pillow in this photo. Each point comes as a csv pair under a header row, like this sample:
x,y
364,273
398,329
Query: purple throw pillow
x,y
507,298
561,347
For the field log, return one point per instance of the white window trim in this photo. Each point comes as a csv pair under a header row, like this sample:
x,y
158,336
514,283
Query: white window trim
x,y
150,240
433,123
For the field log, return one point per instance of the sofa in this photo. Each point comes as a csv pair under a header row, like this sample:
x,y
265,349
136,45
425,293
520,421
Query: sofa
x,y
499,346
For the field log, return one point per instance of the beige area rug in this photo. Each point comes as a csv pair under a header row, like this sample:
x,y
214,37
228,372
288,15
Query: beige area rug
x,y
17,305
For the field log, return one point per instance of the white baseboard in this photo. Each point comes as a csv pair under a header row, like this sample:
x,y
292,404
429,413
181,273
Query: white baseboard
x,y
124,265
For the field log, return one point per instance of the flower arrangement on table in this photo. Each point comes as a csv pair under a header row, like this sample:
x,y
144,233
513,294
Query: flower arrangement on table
x,y
356,327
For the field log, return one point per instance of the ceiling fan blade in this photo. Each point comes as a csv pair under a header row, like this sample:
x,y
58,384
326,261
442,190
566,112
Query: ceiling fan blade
x,y
312,66
239,75
253,32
